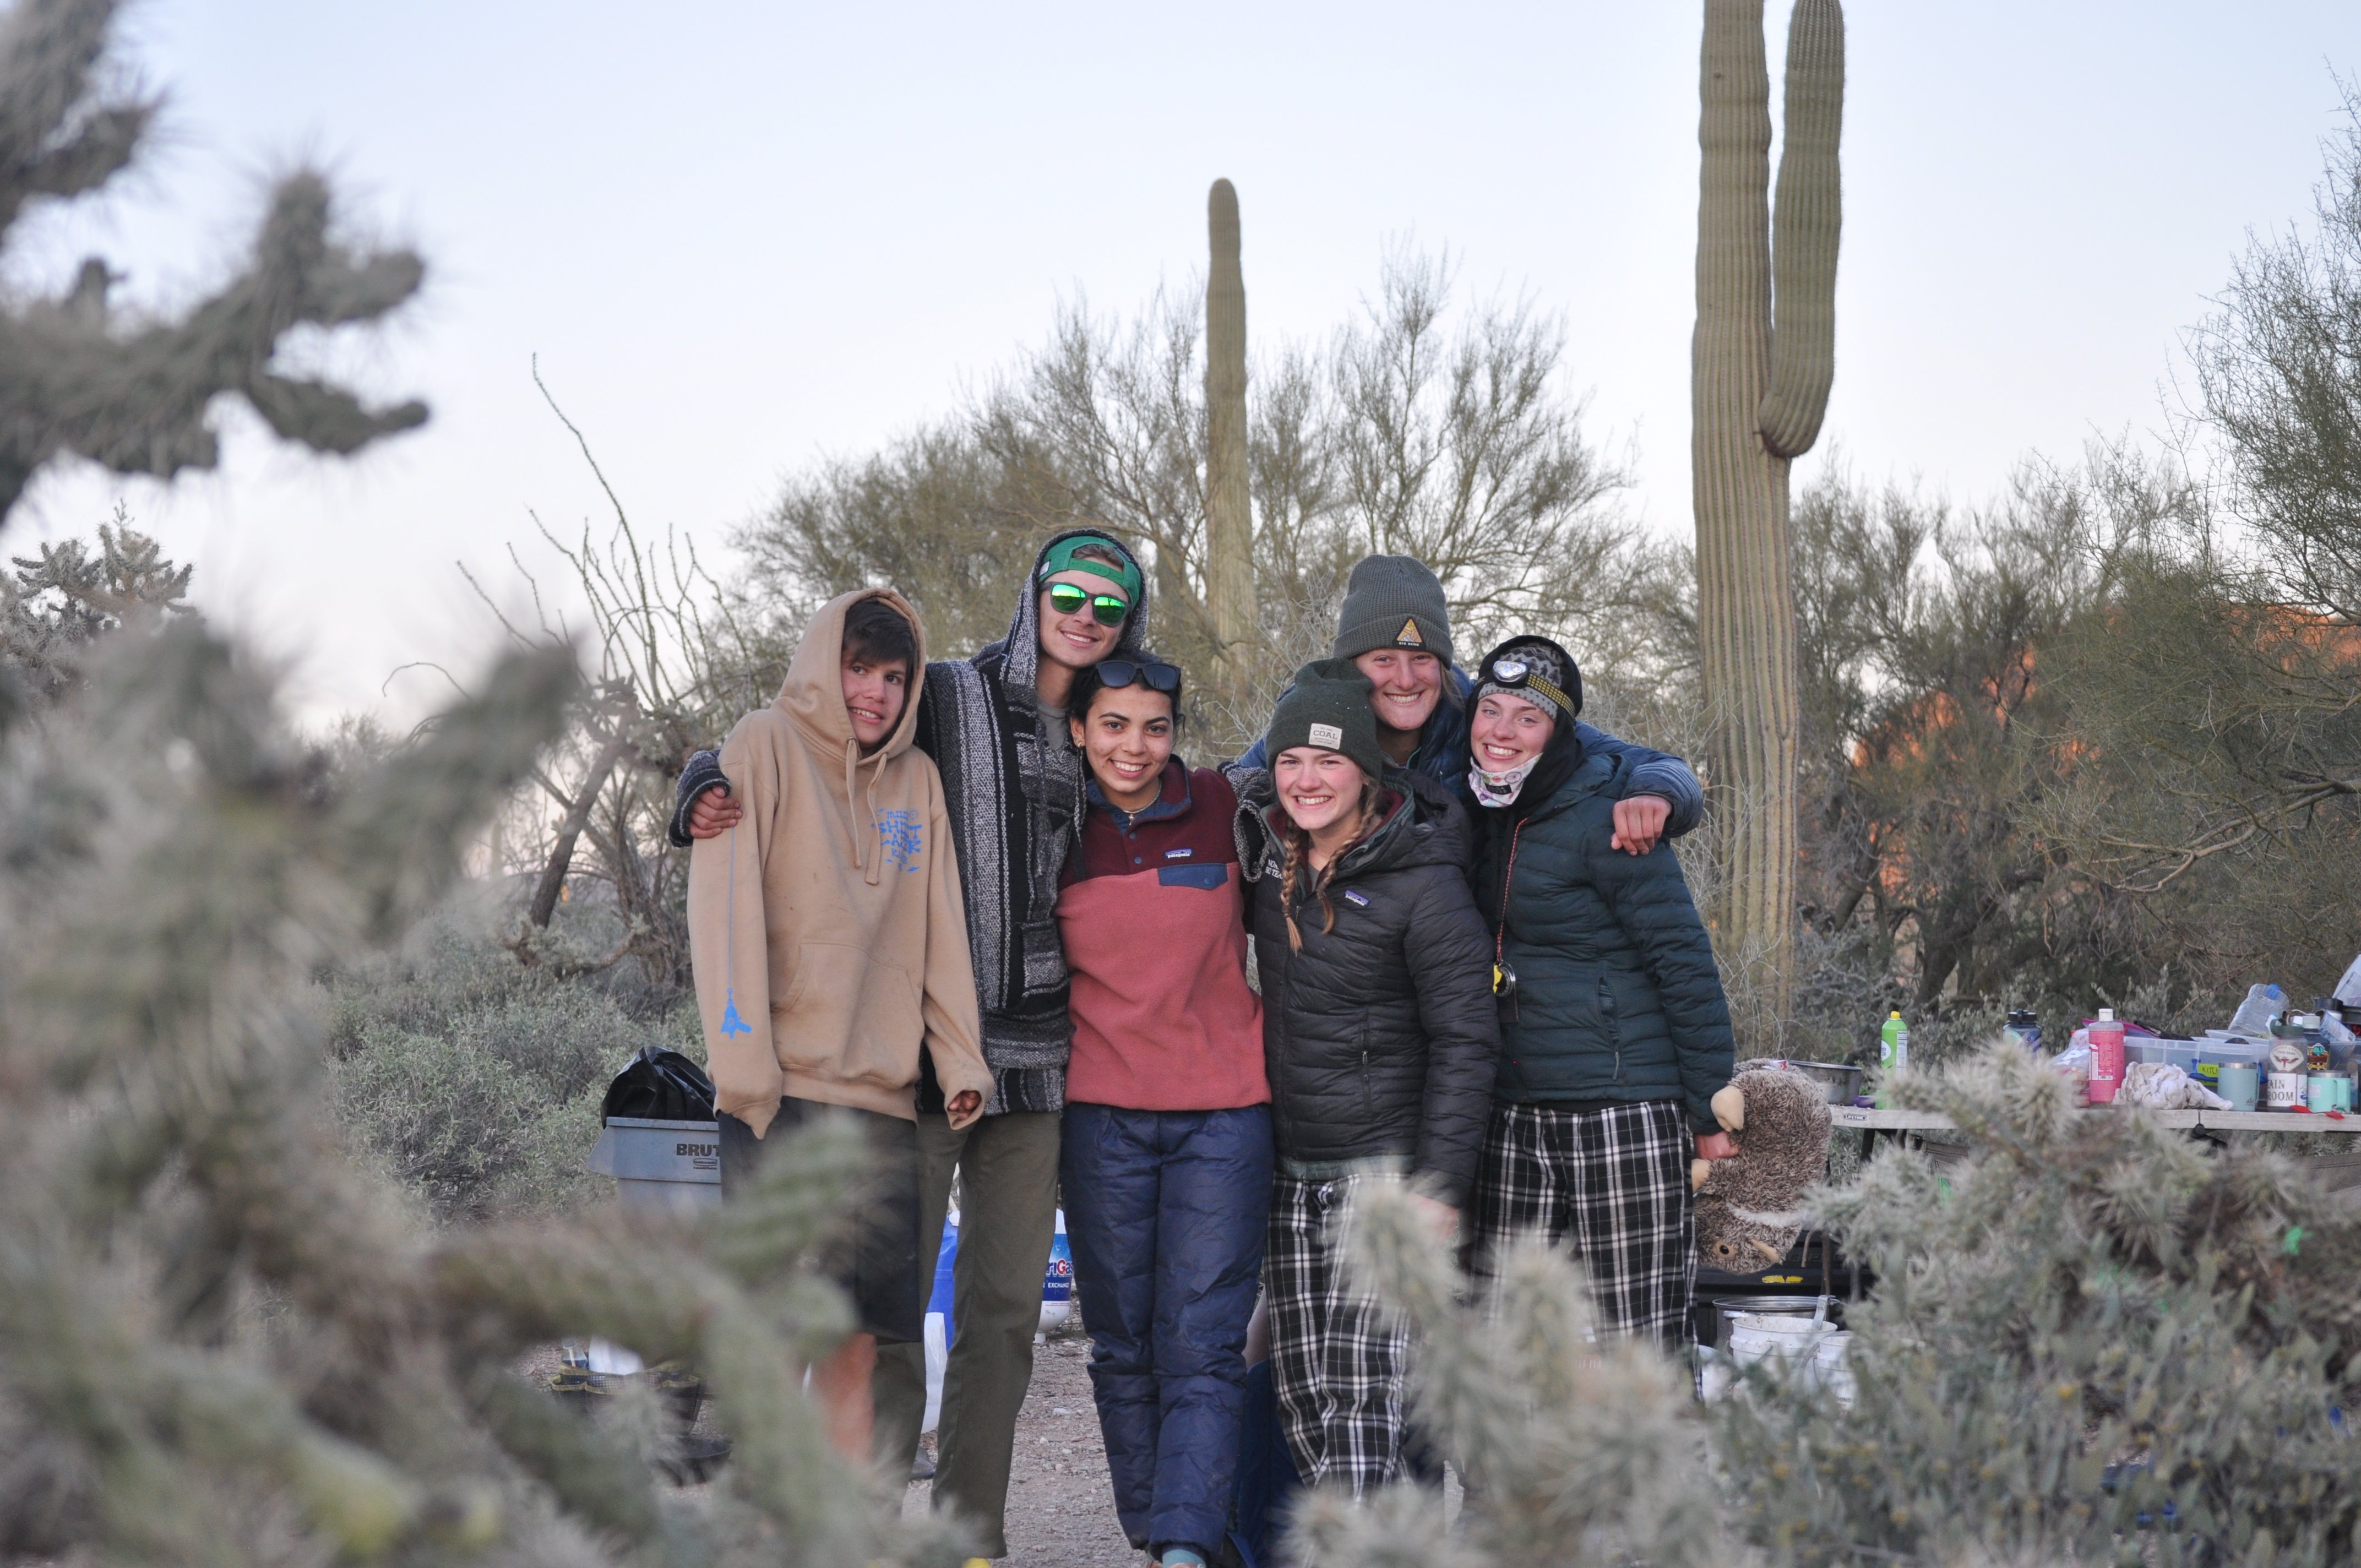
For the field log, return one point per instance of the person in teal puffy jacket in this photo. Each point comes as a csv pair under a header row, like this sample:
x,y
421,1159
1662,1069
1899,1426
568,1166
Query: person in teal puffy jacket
x,y
1615,1032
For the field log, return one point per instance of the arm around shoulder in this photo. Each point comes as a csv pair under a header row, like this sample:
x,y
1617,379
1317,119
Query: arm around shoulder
x,y
1650,771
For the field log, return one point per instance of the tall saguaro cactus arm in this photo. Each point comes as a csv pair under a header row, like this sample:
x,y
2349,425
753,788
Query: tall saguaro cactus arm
x,y
1229,521
1758,396
134,396
1803,233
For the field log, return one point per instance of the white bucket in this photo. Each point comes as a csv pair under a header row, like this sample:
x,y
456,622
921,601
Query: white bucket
x,y
1803,1347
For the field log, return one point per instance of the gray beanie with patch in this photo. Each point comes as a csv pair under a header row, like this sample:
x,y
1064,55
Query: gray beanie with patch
x,y
1328,707
1393,601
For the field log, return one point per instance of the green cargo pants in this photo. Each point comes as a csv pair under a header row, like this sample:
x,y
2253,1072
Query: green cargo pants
x,y
1008,1196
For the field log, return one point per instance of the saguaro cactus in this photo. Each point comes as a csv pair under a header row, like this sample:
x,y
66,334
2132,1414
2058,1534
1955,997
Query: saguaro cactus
x,y
1229,521
1760,386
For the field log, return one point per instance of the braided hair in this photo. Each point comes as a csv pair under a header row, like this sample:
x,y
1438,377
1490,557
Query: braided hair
x,y
1295,846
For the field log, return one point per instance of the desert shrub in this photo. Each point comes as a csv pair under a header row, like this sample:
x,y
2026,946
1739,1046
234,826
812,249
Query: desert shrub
x,y
472,1081
2091,1341
468,1132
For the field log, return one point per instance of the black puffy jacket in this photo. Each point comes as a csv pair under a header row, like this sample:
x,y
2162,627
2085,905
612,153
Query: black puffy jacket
x,y
1381,1037
1618,997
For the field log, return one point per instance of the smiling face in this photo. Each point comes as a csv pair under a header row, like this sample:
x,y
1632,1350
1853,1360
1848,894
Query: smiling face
x,y
1508,731
1320,789
874,691
1126,737
1077,639
1407,686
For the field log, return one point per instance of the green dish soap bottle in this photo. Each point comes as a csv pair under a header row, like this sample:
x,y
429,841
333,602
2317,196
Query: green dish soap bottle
x,y
1893,1056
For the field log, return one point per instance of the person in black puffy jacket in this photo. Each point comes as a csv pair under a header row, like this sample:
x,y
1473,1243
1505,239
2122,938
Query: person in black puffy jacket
x,y
1615,1033
1380,1039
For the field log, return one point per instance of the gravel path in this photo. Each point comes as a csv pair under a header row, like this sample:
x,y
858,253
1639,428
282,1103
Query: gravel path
x,y
1060,1513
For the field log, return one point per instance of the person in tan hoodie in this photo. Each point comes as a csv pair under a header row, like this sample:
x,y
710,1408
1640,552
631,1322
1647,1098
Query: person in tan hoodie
x,y
830,945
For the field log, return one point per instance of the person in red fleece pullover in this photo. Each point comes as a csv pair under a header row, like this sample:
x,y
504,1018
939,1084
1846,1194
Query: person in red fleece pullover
x,y
1165,1161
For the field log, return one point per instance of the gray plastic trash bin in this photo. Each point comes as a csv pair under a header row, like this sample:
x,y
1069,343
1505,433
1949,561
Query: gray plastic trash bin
x,y
661,1165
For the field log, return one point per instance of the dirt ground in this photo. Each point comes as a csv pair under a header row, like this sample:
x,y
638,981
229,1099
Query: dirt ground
x,y
1060,1513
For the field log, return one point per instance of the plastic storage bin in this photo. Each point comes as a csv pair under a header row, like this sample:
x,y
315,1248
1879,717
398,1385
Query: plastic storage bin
x,y
661,1164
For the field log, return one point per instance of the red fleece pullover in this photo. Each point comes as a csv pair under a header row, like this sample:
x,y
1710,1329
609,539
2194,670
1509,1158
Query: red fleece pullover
x,y
1152,913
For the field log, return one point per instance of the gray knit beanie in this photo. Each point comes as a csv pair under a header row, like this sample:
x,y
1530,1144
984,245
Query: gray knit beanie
x,y
1328,707
1393,601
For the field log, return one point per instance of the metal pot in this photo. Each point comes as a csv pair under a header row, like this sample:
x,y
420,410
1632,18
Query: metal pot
x,y
1838,1082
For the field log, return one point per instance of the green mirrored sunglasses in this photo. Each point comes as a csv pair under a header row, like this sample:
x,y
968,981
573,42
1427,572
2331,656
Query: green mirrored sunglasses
x,y
1107,609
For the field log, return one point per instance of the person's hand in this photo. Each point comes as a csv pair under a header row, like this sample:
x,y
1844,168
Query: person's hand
x,y
963,1108
716,811
1716,1146
1441,1218
1640,822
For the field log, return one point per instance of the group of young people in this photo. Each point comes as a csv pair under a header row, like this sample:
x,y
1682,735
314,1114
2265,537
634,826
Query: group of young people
x,y
984,905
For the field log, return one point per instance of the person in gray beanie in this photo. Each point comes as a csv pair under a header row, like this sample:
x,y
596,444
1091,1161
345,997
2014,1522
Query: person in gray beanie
x,y
1380,1045
1395,626
1328,707
1393,601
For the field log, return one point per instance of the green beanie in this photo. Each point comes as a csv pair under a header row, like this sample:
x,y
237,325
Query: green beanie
x,y
1328,707
1393,601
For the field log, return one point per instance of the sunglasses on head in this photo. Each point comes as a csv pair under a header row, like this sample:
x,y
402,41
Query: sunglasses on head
x,y
1107,609
1165,678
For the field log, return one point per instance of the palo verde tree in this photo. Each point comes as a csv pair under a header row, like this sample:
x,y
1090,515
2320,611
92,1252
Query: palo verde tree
x,y
1760,363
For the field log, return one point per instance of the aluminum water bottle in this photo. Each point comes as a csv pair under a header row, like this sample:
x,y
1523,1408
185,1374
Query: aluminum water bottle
x,y
2106,1057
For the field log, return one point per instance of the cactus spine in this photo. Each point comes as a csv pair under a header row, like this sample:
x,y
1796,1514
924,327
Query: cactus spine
x,y
1229,520
1758,389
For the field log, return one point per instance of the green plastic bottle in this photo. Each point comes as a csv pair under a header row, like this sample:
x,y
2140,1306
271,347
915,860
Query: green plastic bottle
x,y
1893,1056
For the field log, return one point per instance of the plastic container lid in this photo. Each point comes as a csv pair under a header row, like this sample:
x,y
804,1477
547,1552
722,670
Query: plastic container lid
x,y
2106,1015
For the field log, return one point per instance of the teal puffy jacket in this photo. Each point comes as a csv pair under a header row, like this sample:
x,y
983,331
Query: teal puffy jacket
x,y
1618,997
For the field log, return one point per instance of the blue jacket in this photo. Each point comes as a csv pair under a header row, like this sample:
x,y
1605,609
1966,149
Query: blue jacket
x,y
1442,755
1618,997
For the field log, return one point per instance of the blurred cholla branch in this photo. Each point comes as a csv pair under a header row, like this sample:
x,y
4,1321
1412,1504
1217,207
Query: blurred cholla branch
x,y
76,376
220,1340
1574,1450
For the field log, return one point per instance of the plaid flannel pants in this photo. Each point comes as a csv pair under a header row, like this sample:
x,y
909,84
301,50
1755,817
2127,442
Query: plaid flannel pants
x,y
1336,1369
1614,1186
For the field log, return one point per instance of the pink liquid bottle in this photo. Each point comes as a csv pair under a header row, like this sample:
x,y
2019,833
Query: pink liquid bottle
x,y
2106,1057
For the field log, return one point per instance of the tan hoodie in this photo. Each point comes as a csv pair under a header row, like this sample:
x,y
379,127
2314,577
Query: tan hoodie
x,y
825,930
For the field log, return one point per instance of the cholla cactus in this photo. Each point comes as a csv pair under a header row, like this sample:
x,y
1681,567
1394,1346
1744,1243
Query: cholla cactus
x,y
2090,1341
1573,1451
133,396
221,1341
1760,385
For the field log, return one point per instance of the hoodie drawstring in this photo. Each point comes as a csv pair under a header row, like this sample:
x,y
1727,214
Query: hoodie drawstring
x,y
851,825
869,798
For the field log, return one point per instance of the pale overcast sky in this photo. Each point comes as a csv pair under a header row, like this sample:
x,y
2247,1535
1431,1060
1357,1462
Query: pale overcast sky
x,y
741,235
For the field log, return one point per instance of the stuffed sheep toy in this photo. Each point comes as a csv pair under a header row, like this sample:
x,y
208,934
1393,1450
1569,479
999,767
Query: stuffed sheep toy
x,y
1749,1207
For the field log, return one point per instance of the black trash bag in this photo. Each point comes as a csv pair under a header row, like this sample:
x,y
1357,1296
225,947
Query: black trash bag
x,y
658,1085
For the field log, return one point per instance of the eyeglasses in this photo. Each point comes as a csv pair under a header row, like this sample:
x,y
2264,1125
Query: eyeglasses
x,y
1107,609
1165,678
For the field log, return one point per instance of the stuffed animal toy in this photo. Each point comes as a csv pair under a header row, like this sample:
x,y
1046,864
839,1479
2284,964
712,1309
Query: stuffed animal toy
x,y
1749,1207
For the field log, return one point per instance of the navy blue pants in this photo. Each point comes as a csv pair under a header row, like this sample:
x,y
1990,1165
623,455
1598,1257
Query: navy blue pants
x,y
1165,1212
